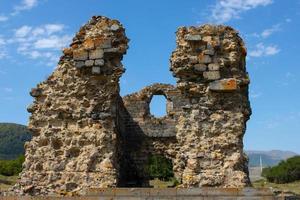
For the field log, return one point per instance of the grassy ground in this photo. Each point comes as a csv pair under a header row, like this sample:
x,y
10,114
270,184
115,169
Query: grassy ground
x,y
156,183
287,187
7,181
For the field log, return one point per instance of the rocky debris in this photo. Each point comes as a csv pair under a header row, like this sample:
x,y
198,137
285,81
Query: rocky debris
x,y
87,136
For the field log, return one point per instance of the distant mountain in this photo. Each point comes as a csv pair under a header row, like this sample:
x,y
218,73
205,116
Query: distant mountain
x,y
12,139
269,158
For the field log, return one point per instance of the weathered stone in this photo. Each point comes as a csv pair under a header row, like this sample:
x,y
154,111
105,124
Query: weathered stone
x,y
114,27
35,92
80,54
193,59
96,70
205,59
68,51
223,85
213,67
99,62
103,43
89,44
210,52
31,108
111,50
193,37
79,64
200,67
89,63
96,54
212,75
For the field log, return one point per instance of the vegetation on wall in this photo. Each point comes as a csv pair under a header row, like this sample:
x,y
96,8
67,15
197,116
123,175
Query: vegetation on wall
x,y
285,172
160,167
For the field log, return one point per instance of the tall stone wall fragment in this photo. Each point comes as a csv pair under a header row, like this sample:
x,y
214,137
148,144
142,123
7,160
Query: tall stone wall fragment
x,y
74,113
210,130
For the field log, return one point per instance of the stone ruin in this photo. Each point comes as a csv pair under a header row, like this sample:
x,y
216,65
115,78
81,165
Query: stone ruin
x,y
85,135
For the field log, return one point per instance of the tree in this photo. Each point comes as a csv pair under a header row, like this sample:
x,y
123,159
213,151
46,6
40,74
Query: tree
x,y
285,172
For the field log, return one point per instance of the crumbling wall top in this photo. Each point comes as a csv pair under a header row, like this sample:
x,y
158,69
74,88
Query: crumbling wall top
x,y
208,53
98,47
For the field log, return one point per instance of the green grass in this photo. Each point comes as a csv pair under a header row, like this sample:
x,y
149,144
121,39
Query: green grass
x,y
7,181
286,187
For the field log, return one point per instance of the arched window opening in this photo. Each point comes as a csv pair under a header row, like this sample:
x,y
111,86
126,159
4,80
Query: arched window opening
x,y
158,106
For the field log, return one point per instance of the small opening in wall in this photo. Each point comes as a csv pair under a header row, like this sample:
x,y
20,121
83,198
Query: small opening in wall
x,y
158,106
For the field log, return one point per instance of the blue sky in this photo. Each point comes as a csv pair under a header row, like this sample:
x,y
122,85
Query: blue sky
x,y
33,32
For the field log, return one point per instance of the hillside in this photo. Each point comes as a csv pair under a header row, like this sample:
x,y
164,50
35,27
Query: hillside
x,y
269,158
12,139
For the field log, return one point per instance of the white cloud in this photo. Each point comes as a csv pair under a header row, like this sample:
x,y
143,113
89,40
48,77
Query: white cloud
x,y
23,31
52,42
2,54
262,50
41,42
2,42
267,32
225,10
53,28
24,5
3,18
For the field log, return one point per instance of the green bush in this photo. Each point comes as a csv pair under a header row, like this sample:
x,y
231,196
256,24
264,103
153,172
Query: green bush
x,y
11,167
160,167
285,172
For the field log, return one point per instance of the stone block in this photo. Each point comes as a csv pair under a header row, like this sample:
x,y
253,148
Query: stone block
x,y
193,59
193,37
200,67
79,64
204,59
68,51
80,54
224,85
88,44
102,43
35,92
112,50
89,63
31,108
96,54
114,27
99,62
213,67
207,38
210,52
96,70
212,75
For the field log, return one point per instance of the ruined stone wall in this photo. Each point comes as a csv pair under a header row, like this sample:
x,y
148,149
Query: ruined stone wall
x,y
209,62
73,122
87,136
207,111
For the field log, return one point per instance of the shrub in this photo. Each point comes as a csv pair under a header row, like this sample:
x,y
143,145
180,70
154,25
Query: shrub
x,y
11,167
285,172
159,167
